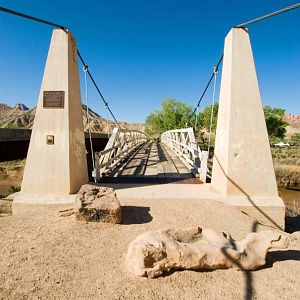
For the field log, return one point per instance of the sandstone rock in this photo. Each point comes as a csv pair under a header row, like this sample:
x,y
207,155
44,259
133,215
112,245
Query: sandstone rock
x,y
155,252
97,204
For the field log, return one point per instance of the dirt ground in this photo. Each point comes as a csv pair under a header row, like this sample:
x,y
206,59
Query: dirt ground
x,y
46,256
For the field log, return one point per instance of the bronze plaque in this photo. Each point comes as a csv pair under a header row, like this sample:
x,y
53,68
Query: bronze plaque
x,y
54,99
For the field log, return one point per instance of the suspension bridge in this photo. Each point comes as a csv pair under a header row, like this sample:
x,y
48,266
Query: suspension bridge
x,y
56,162
129,157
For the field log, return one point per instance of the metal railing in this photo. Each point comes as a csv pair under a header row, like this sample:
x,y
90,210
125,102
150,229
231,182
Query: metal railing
x,y
183,143
120,145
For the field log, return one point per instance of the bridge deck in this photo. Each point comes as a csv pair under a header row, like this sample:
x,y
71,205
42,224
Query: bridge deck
x,y
152,162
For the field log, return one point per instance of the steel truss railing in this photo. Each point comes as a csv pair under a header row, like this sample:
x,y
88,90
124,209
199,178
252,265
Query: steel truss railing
x,y
183,143
121,143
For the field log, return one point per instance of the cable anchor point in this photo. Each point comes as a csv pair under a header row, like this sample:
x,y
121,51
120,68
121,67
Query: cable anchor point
x,y
85,68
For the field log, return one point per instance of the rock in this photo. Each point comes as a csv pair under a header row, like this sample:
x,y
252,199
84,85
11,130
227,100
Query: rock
x,y
155,252
97,204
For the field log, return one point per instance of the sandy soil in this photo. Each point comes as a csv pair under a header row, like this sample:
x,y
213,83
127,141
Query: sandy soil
x,y
45,256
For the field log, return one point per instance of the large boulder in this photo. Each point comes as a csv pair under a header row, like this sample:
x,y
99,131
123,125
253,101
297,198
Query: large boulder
x,y
97,204
155,252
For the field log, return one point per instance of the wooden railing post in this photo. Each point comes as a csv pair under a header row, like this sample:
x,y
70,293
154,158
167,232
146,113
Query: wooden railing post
x,y
120,144
97,167
183,143
203,168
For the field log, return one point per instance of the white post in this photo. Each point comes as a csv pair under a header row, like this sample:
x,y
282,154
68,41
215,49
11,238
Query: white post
x,y
203,169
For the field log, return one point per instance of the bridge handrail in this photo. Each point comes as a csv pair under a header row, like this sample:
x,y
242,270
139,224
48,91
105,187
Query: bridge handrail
x,y
120,144
183,143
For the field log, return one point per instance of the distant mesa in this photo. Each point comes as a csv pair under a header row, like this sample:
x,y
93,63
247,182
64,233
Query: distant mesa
x,y
293,120
20,116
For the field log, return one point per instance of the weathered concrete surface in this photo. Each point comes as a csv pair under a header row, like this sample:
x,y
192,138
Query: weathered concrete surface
x,y
97,204
58,169
265,210
242,159
155,252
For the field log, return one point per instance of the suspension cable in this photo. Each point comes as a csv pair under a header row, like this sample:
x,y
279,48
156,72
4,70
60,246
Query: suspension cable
x,y
273,14
208,83
107,122
283,10
196,120
12,12
97,88
85,70
212,109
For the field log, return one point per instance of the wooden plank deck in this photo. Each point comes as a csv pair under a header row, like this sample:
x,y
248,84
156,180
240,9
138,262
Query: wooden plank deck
x,y
153,161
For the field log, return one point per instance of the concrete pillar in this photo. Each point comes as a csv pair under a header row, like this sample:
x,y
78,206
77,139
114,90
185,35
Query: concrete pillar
x,y
56,160
242,164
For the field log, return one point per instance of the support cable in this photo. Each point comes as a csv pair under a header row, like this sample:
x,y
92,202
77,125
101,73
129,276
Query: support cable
x,y
85,70
196,121
97,88
207,85
242,25
212,110
273,14
107,124
18,14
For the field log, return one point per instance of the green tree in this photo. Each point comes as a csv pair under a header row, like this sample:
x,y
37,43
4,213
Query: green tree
x,y
295,139
173,114
275,122
204,118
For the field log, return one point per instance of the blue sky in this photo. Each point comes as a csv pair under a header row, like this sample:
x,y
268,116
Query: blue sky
x,y
141,52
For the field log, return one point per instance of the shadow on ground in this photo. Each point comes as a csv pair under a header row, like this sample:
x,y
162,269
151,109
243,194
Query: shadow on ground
x,y
276,256
292,224
136,215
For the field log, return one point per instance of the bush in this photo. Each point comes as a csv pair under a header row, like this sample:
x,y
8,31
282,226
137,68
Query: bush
x,y
15,188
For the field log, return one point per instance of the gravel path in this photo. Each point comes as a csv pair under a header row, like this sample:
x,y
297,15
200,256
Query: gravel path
x,y
46,256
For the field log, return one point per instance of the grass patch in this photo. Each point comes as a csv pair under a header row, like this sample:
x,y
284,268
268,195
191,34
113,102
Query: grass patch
x,y
12,170
15,188
292,210
287,165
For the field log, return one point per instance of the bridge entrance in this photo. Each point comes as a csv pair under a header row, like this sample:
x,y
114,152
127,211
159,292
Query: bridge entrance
x,y
129,158
152,162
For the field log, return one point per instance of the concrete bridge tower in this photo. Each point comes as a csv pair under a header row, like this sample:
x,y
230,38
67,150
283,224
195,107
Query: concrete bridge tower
x,y
243,170
56,161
